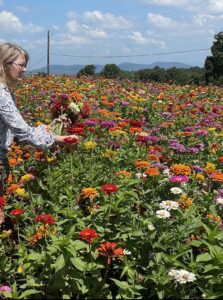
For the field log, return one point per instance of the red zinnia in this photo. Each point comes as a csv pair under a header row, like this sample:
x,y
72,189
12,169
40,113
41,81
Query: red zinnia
x,y
88,234
70,140
17,212
45,219
108,249
109,188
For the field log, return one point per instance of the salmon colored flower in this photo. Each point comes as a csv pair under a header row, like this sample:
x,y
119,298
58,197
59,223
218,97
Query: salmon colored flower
x,y
3,201
123,173
88,234
109,188
109,249
216,176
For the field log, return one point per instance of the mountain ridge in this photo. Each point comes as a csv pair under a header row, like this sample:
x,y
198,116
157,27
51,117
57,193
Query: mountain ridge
x,y
125,66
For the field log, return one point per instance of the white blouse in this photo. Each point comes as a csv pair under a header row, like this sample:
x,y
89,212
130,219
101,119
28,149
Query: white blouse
x,y
13,125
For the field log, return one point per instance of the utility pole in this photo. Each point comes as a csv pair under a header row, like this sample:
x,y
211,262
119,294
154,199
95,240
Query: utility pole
x,y
48,52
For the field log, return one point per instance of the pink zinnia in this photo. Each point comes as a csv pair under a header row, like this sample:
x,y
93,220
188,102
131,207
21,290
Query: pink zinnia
x,y
179,179
5,288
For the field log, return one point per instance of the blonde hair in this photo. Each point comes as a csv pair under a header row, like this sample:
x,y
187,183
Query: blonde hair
x,y
8,53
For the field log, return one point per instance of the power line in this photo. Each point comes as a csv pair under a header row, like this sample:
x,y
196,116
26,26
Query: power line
x,y
133,55
36,63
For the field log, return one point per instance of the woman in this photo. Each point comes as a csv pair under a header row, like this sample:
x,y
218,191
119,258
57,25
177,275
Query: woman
x,y
13,61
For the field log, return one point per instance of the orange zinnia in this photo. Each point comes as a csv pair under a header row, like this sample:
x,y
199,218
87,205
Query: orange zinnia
x,y
141,164
152,171
108,249
180,169
123,173
217,176
89,193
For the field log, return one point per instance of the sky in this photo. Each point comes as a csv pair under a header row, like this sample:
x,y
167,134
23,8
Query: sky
x,y
104,32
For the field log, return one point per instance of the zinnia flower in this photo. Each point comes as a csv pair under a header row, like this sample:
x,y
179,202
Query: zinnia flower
x,y
162,214
179,179
88,234
168,205
89,193
45,219
182,276
109,249
176,190
5,288
109,188
17,212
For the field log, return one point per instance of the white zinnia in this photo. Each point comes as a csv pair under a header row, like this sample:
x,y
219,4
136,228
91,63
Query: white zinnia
x,y
182,276
176,190
168,205
140,175
219,201
162,214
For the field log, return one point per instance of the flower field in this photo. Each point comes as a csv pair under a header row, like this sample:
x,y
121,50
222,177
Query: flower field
x,y
135,211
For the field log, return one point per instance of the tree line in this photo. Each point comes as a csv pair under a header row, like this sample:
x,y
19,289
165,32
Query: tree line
x,y
211,73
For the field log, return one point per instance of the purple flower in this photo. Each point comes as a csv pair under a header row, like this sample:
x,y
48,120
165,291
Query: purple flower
x,y
202,132
107,124
192,150
197,169
179,179
90,123
220,193
124,103
114,144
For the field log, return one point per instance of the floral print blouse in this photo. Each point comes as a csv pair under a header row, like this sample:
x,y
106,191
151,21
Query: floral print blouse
x,y
13,125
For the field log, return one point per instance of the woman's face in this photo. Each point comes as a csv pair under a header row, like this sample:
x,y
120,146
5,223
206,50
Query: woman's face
x,y
16,69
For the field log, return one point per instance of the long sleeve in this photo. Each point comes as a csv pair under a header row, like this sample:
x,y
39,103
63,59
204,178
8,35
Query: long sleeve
x,y
11,120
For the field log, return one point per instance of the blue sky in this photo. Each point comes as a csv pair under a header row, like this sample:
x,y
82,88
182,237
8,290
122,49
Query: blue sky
x,y
114,31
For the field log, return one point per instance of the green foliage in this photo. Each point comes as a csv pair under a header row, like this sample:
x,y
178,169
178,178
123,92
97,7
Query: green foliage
x,y
88,70
110,71
214,63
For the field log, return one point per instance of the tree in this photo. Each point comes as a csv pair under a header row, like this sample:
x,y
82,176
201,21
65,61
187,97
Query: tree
x,y
88,70
111,71
214,63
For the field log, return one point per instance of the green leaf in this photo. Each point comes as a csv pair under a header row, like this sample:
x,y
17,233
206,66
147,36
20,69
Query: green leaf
x,y
28,293
203,257
59,264
121,284
79,263
35,256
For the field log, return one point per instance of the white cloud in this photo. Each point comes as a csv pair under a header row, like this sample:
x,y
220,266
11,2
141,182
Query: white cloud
x,y
161,21
33,28
69,39
95,33
107,20
216,6
138,38
72,26
202,19
9,22
171,2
